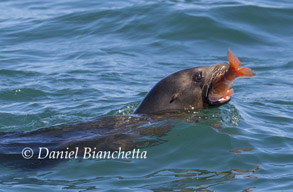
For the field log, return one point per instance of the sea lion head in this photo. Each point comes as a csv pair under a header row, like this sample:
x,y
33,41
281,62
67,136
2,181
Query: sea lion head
x,y
187,89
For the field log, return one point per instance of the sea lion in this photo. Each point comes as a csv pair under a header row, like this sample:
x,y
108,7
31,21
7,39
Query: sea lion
x,y
189,89
194,88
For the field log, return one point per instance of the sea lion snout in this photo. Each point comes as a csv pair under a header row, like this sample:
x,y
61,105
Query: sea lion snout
x,y
220,68
217,71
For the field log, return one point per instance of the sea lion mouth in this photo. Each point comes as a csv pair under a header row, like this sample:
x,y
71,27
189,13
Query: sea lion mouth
x,y
218,76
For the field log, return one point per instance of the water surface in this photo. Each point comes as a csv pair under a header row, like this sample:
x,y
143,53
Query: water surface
x,y
66,61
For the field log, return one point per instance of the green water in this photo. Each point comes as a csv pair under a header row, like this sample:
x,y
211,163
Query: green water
x,y
67,61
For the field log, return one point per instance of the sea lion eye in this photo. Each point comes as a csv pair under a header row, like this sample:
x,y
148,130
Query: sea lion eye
x,y
197,77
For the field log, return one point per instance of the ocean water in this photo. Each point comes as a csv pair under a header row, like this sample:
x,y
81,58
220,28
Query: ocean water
x,y
67,61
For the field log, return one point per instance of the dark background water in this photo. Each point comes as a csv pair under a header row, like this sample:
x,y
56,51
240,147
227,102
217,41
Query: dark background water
x,y
65,61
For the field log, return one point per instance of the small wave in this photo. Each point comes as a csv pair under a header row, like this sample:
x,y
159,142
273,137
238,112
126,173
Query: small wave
x,y
18,73
22,94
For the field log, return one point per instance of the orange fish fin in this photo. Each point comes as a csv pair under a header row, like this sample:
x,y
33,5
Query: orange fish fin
x,y
229,92
233,60
245,71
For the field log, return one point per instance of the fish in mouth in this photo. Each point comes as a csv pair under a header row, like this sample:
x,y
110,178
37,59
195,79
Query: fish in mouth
x,y
220,92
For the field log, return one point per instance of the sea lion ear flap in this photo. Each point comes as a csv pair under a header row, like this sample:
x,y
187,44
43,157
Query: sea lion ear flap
x,y
175,96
